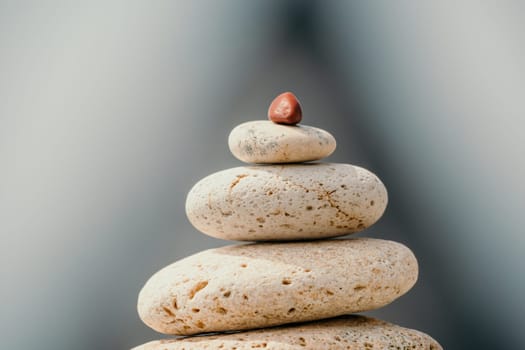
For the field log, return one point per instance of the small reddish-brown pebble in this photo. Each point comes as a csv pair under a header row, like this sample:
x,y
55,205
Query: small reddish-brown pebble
x,y
285,109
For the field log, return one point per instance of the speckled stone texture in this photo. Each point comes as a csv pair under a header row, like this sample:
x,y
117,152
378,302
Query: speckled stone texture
x,y
266,284
276,202
263,141
347,332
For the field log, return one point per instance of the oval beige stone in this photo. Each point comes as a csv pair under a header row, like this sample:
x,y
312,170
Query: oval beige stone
x,y
263,141
286,202
266,284
347,332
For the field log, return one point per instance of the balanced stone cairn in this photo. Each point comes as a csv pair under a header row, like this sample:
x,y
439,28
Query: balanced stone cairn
x,y
296,294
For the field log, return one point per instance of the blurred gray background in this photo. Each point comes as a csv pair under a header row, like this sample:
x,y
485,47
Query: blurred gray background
x,y
110,111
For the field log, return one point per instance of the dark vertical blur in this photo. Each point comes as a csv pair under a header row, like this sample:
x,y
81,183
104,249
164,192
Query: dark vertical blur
x,y
110,112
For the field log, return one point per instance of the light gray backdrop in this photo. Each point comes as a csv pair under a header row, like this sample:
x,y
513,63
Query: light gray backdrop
x,y
110,111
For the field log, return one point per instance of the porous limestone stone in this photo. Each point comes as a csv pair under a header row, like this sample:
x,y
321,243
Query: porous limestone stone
x,y
266,284
343,333
286,202
263,141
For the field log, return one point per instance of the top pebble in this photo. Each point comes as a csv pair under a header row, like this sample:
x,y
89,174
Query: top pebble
x,y
285,109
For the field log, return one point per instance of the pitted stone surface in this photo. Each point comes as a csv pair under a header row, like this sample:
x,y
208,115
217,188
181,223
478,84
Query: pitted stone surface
x,y
342,333
263,141
266,284
286,202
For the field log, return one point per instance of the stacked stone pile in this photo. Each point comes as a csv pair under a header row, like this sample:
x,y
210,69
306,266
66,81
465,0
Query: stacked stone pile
x,y
296,288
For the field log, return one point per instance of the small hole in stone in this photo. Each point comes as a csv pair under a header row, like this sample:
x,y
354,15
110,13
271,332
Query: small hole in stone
x,y
195,309
168,311
286,281
302,341
198,287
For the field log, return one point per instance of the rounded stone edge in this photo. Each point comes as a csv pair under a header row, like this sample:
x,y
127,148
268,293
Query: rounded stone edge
x,y
264,160
258,237
156,296
366,332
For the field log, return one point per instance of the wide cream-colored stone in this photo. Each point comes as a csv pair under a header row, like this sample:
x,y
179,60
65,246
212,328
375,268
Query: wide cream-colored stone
x,y
286,202
346,332
266,284
263,141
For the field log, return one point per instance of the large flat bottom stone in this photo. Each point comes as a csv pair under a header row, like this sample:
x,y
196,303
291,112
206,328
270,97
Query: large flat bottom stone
x,y
347,332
